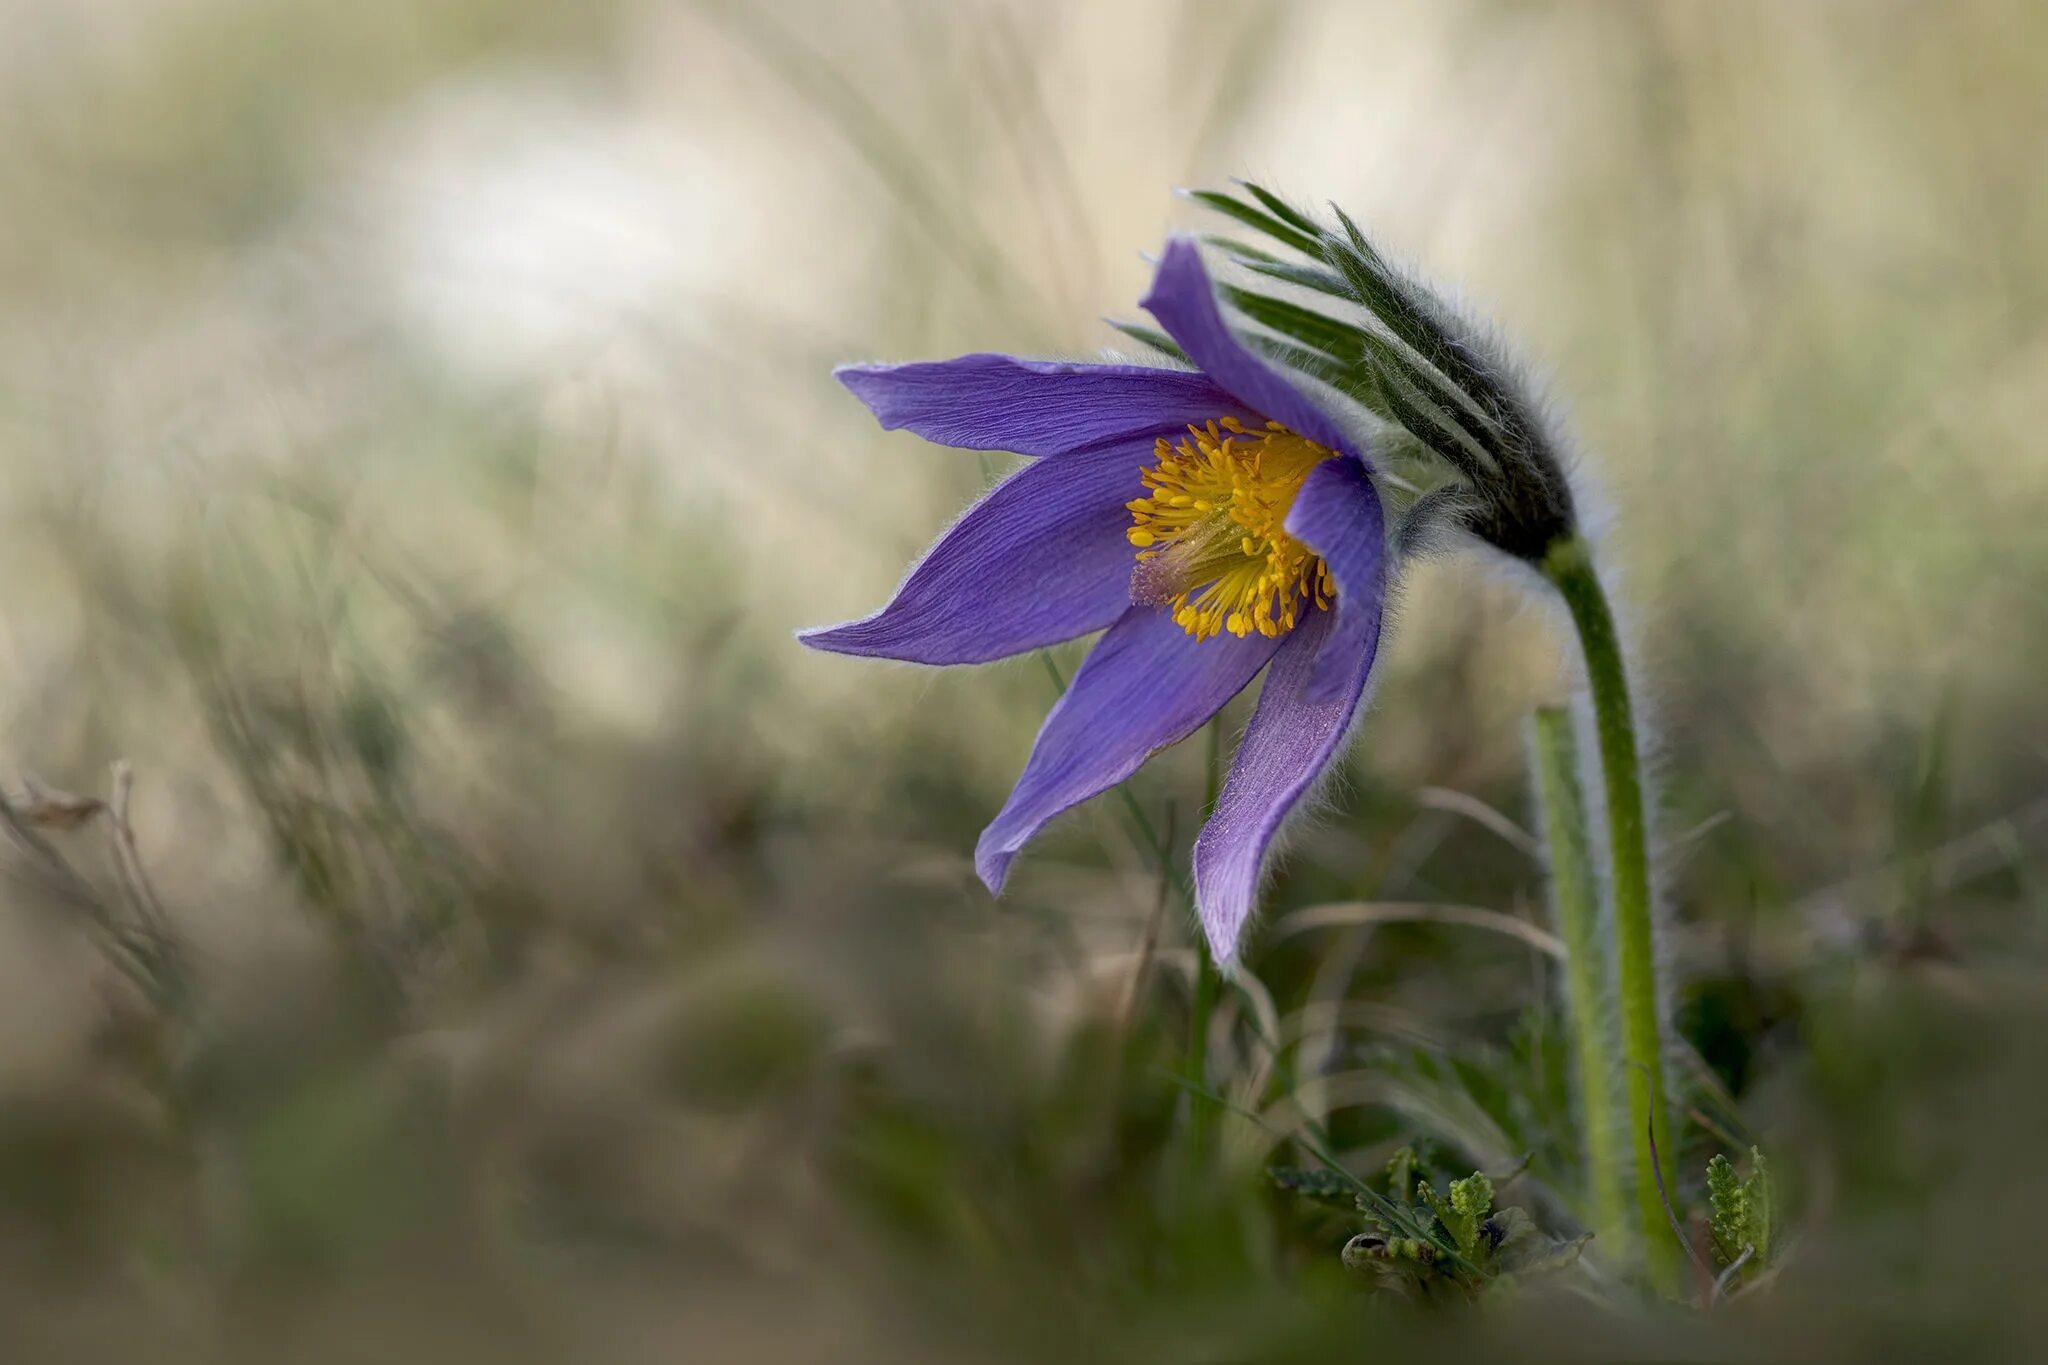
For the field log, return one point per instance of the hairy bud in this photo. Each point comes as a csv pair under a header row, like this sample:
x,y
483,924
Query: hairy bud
x,y
1400,351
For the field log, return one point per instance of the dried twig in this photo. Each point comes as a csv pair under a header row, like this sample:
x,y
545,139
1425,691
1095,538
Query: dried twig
x,y
1418,912
47,808
1677,1229
1477,811
1727,1277
128,860
144,950
63,880
1148,946
1514,1172
1981,850
62,877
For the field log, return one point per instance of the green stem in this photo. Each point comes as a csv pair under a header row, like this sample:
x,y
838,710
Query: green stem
x,y
1576,897
1569,565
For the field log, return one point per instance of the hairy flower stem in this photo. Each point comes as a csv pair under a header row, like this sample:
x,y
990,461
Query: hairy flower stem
x,y
1569,566
1575,893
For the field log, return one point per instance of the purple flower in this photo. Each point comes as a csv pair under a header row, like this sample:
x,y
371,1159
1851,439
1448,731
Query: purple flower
x,y
1215,521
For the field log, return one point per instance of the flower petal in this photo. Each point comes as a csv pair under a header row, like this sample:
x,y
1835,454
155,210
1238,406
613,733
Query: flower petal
x,y
1185,304
1337,514
1035,407
1147,685
1285,749
1041,559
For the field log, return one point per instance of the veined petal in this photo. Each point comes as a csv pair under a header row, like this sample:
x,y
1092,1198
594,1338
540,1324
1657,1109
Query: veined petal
x,y
1337,514
1146,685
1043,558
1185,304
1285,749
1035,407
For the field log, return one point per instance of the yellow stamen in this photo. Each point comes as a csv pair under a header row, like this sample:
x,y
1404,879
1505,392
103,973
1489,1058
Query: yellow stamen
x,y
1211,537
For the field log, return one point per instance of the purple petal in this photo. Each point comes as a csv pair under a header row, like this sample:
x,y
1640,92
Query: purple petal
x,y
1337,514
1041,559
1285,749
1185,305
1035,407
1147,685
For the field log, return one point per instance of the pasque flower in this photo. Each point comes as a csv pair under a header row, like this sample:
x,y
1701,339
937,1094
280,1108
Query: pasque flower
x,y
1213,522
1399,349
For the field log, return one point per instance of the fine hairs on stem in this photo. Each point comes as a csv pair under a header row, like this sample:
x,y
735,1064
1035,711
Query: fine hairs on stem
x,y
1575,899
1569,566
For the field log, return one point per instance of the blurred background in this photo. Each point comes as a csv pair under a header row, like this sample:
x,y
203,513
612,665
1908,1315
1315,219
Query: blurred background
x,y
417,446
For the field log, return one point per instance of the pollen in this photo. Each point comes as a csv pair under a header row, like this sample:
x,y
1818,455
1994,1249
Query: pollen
x,y
1211,532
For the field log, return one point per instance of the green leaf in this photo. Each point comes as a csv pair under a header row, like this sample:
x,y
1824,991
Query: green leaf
x,y
1322,1186
1724,1200
1416,317
1400,1170
1513,1231
1432,424
1757,1204
1319,278
1426,1195
1470,1204
1340,340
1275,228
1537,1255
1385,294
1356,383
1280,208
1407,388
1742,1211
1244,252
1472,1197
1152,337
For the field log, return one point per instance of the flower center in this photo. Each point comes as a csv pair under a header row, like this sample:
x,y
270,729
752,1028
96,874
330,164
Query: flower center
x,y
1212,538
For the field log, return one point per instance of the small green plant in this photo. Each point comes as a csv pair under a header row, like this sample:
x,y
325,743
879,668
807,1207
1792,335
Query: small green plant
x,y
1465,1245
1742,1213
1466,1213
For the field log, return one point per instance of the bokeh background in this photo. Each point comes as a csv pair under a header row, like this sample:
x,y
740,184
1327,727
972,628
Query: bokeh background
x,y
418,445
